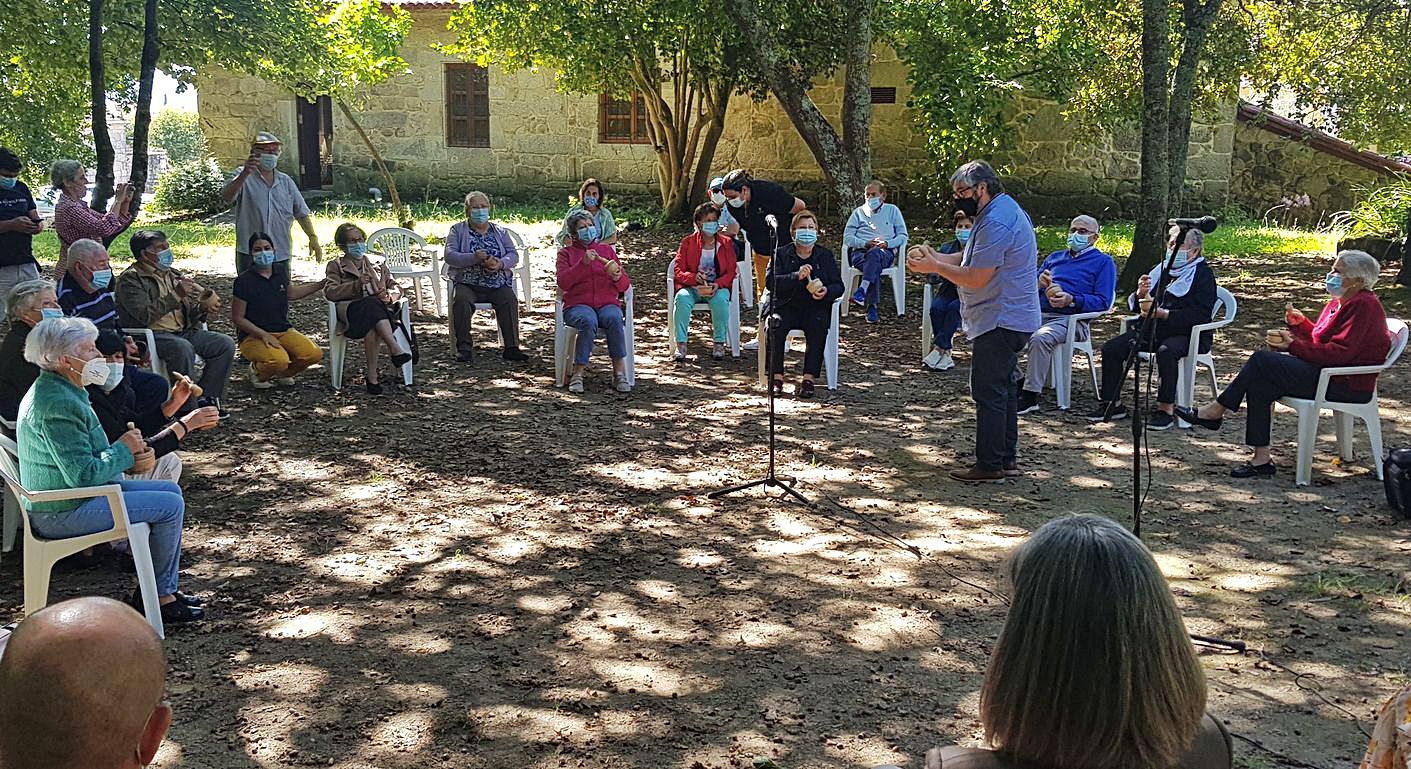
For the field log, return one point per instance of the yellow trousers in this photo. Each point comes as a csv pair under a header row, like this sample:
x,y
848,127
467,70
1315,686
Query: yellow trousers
x,y
761,263
294,354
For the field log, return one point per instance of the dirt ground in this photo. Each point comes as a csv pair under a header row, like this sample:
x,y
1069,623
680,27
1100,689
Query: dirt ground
x,y
486,571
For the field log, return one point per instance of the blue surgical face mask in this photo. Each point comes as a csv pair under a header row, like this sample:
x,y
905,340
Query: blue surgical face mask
x,y
1183,258
46,313
736,202
963,236
263,258
1334,284
115,372
874,203
8,182
589,201
268,160
710,228
357,249
1077,241
479,215
164,257
101,278
588,234
805,236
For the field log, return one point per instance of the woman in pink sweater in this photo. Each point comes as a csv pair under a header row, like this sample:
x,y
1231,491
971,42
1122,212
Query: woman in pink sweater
x,y
592,282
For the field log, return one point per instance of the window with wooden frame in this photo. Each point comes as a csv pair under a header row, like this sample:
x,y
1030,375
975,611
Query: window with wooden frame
x,y
467,106
622,121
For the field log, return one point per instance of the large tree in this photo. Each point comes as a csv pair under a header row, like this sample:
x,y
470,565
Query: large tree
x,y
662,51
785,54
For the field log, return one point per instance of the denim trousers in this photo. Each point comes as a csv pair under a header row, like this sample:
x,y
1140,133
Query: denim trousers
x,y
588,321
158,504
719,303
945,321
872,261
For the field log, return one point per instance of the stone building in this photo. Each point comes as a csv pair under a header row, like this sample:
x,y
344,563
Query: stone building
x,y
447,126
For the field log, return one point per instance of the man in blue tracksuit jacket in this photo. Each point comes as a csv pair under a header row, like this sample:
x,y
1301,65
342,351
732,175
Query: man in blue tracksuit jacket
x,y
1078,279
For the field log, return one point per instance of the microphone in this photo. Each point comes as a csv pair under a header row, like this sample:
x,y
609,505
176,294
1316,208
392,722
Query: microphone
x,y
1206,224
771,221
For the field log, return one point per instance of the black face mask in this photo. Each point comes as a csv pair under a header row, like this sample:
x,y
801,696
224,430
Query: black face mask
x,y
969,206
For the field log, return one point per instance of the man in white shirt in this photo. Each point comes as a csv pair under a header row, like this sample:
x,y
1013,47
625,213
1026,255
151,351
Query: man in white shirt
x,y
267,201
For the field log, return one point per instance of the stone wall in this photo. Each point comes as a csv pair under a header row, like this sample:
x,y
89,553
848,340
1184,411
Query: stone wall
x,y
1268,168
234,107
1058,169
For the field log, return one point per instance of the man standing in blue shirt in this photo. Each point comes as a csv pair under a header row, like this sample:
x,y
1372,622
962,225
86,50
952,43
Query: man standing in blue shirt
x,y
999,309
1077,279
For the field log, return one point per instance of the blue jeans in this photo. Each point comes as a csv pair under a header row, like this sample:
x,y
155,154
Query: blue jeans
x,y
872,262
945,321
588,320
719,303
156,503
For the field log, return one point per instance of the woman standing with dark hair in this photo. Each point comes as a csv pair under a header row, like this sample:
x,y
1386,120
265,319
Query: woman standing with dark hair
x,y
751,202
373,297
804,280
1093,669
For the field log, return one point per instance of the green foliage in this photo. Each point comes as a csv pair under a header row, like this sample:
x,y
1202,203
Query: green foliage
x,y
179,133
189,188
1383,211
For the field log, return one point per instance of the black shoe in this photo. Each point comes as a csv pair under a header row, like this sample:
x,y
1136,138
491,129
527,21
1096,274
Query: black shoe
x,y
1108,413
1160,420
1189,417
1011,470
177,611
401,359
190,600
514,354
1028,402
1247,470
806,388
374,388
465,357
220,410
777,385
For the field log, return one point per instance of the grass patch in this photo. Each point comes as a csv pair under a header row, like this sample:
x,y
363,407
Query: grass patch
x,y
1342,583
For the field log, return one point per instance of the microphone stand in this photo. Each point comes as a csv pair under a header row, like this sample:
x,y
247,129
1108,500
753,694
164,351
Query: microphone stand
x,y
771,325
1146,329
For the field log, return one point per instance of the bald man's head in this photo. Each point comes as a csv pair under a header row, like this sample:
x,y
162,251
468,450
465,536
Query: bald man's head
x,y
82,683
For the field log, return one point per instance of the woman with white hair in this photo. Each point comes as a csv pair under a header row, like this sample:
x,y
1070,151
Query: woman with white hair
x,y
1093,667
62,446
480,259
1351,331
74,219
28,303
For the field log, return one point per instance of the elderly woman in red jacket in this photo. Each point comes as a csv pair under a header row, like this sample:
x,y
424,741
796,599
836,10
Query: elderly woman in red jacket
x,y
705,270
593,281
1351,331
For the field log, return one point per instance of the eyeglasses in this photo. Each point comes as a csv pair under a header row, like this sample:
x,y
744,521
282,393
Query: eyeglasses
x,y
960,193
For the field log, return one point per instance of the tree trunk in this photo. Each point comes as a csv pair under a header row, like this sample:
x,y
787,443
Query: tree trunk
x,y
1150,237
857,94
717,102
842,169
98,95
142,118
1196,19
398,212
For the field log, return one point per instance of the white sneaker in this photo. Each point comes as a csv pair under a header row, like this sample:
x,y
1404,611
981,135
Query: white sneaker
x,y
620,381
575,383
750,346
938,360
285,381
256,383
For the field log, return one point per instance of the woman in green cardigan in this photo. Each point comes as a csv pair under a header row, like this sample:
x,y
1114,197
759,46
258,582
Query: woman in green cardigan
x,y
62,446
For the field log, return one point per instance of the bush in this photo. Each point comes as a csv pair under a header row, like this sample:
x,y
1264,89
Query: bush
x,y
179,133
1383,212
189,188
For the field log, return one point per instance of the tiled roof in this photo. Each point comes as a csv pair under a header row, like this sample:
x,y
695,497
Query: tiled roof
x,y
1321,141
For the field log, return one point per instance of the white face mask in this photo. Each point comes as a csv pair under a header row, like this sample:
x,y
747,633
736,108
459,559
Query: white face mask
x,y
94,372
718,198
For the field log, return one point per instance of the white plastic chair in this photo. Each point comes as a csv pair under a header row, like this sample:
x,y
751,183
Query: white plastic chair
x,y
830,349
40,554
10,527
338,344
565,336
158,367
896,273
400,245
745,269
733,334
1185,382
1061,373
1310,410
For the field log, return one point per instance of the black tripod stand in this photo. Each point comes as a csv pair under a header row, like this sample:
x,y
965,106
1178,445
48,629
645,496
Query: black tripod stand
x,y
771,325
